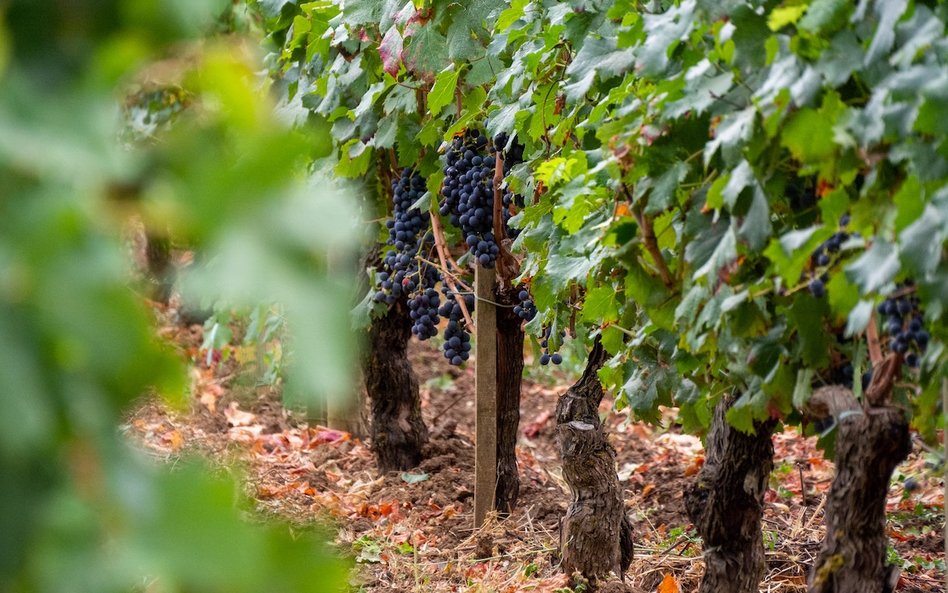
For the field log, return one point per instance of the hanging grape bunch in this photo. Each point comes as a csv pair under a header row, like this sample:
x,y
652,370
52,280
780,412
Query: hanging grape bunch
x,y
904,322
457,339
409,233
469,197
823,256
423,307
526,309
546,358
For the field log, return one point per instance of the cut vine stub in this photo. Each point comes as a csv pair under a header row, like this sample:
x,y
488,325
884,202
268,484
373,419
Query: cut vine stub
x,y
596,533
726,504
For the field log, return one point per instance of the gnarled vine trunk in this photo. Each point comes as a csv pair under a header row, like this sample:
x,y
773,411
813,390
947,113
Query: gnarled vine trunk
x,y
595,534
726,504
509,378
160,267
871,441
398,431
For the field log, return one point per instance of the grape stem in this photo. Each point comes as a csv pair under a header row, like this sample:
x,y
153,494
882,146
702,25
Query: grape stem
x,y
507,266
454,277
440,246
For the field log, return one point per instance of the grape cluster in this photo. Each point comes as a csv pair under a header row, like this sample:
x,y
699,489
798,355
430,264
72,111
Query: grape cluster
x,y
457,340
904,323
423,308
546,358
526,310
408,232
469,196
822,257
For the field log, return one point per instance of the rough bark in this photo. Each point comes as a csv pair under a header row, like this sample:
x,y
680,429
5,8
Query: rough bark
x,y
160,266
595,534
726,504
509,377
398,431
870,443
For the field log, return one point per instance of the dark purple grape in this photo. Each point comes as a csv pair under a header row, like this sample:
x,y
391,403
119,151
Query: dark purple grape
x,y
817,288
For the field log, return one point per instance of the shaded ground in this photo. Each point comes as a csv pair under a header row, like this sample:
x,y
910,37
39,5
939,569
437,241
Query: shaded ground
x,y
413,531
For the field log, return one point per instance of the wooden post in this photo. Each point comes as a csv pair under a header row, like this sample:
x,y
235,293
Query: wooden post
x,y
485,390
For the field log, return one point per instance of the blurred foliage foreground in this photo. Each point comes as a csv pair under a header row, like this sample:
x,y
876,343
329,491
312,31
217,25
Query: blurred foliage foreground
x,y
79,510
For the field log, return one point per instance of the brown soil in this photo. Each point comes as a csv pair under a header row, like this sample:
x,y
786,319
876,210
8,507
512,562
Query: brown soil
x,y
412,531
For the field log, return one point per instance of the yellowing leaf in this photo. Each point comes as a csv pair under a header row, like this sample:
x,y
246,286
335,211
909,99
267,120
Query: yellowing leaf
x,y
785,15
669,584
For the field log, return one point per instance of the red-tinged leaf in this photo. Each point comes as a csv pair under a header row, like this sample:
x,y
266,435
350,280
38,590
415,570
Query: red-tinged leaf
x,y
328,435
669,584
390,50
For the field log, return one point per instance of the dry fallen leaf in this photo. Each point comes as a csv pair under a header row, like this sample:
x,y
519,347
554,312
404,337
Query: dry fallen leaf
x,y
669,584
237,417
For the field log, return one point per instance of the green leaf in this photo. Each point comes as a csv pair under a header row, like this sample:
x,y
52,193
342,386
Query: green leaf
x,y
825,16
889,13
909,202
665,31
724,253
843,295
600,54
514,12
809,136
663,193
876,267
803,388
806,315
732,130
921,243
859,318
600,306
442,93
756,227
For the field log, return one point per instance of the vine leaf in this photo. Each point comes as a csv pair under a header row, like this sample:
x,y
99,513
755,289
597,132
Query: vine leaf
x,y
600,55
427,51
876,267
390,51
442,93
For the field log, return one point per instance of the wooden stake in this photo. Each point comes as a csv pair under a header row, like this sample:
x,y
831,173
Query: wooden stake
x,y
485,389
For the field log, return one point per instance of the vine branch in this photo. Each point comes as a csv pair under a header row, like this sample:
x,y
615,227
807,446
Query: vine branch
x,y
648,237
507,266
442,249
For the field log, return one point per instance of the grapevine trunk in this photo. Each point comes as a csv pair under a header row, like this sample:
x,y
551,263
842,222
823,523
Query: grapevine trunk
x,y
509,376
596,534
726,504
398,431
160,268
869,445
